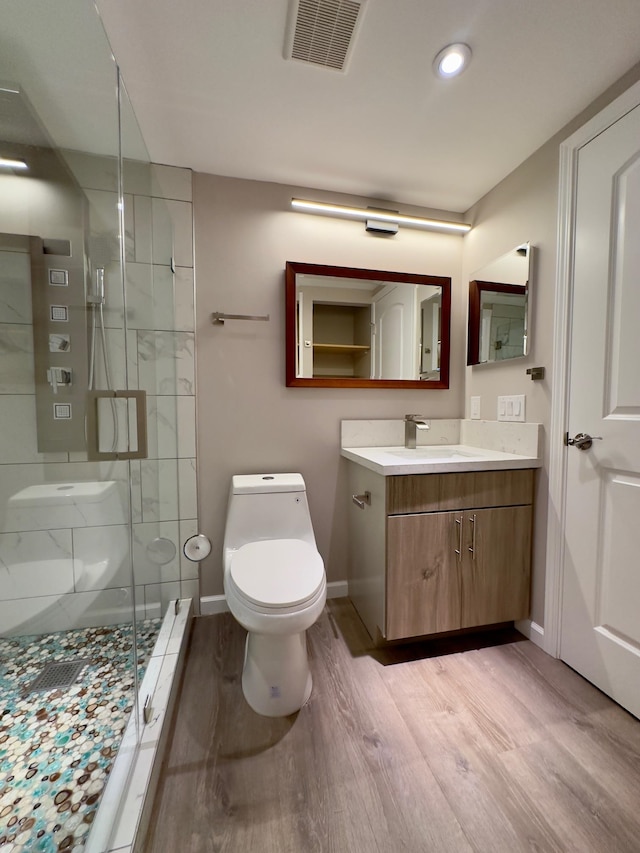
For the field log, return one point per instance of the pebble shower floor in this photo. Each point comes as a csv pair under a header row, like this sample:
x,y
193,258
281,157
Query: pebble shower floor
x,y
57,746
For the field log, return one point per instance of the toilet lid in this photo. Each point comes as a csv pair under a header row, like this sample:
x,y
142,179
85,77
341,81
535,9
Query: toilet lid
x,y
277,572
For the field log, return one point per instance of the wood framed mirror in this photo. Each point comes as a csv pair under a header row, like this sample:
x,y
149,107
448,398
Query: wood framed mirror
x,y
499,301
358,328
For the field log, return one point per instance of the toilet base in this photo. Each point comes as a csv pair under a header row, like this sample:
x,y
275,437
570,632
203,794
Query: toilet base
x,y
276,680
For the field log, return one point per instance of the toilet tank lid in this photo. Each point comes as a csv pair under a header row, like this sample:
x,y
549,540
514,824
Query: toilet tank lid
x,y
245,484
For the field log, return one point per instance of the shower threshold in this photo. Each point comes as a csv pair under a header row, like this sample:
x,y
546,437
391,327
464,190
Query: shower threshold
x,y
125,808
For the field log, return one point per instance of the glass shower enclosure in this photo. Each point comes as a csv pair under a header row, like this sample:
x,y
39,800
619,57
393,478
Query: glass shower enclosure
x,y
86,253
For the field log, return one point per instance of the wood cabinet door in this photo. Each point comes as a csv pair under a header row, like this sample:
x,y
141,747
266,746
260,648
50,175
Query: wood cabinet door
x,y
423,574
495,570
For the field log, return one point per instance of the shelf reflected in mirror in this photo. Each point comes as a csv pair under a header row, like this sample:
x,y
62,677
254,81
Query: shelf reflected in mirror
x,y
499,326
359,328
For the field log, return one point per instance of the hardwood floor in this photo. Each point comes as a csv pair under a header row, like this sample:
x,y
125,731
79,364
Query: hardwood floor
x,y
417,748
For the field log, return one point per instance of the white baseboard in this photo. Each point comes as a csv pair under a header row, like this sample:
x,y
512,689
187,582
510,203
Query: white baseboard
x,y
338,589
210,604
532,631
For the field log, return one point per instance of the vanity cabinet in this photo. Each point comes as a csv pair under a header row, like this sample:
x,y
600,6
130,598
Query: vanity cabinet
x,y
454,550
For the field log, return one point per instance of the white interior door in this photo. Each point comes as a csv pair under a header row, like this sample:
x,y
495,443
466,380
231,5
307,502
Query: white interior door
x,y
600,613
396,355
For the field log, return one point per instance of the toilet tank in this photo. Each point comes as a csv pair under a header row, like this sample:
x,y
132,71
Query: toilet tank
x,y
267,506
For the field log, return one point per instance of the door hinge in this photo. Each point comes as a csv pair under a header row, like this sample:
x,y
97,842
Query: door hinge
x,y
147,710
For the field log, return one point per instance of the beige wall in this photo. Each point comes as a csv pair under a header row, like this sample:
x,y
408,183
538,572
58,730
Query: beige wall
x,y
524,207
248,421
521,208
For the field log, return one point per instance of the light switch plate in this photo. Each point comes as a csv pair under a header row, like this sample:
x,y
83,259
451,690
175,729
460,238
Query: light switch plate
x,y
474,408
511,407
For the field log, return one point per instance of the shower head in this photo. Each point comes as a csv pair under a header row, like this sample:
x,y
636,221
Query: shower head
x,y
103,248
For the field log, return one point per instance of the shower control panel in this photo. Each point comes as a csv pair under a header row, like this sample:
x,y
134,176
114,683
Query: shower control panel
x,y
59,377
59,313
59,278
59,344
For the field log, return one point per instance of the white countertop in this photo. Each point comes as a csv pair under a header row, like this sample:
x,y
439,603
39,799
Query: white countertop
x,y
436,459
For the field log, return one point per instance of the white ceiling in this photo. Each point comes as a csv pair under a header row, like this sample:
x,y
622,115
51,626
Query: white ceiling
x,y
212,90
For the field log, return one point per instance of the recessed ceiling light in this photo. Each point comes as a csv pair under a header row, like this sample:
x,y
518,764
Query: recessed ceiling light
x,y
452,60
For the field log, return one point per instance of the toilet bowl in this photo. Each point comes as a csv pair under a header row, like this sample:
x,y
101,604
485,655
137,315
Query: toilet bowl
x,y
275,586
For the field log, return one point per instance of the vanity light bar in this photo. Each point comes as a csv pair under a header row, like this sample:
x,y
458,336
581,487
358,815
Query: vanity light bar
x,y
378,215
8,163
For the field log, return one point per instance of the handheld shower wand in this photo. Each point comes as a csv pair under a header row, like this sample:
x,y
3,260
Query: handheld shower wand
x,y
97,297
96,301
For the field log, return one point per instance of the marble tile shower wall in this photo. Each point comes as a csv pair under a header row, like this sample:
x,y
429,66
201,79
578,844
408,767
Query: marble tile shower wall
x,y
507,331
48,558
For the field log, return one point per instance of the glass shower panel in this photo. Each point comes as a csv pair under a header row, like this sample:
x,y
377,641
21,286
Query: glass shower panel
x,y
67,643
154,355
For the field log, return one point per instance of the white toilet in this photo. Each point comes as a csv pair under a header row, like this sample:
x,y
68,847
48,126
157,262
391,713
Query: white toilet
x,y
275,586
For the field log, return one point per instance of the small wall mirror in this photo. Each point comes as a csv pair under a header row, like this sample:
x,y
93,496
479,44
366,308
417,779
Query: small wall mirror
x,y
499,297
357,328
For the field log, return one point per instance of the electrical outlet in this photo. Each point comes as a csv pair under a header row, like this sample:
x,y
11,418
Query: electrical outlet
x,y
474,408
511,407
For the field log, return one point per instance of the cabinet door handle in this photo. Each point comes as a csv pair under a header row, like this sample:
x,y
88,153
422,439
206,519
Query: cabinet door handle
x,y
361,500
472,549
458,550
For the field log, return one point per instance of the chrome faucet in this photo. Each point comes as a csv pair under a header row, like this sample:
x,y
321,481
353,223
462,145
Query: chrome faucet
x,y
411,424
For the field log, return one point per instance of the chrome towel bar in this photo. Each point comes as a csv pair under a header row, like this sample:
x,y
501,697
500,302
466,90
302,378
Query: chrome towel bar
x,y
218,317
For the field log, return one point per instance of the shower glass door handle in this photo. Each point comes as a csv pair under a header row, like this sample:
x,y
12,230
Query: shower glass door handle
x,y
93,425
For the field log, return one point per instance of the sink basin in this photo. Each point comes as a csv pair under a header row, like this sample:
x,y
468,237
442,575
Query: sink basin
x,y
419,453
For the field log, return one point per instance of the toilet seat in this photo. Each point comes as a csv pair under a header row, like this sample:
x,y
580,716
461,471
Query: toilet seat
x,y
277,573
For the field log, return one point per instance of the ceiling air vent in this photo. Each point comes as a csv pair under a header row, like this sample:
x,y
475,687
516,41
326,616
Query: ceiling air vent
x,y
322,32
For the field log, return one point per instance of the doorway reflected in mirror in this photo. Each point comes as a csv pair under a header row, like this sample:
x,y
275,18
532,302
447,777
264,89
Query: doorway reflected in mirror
x,y
499,301
349,327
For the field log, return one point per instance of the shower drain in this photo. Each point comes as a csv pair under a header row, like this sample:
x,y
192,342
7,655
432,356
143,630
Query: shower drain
x,y
57,675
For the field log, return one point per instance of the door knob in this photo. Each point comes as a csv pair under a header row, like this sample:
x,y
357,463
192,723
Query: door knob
x,y
581,440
